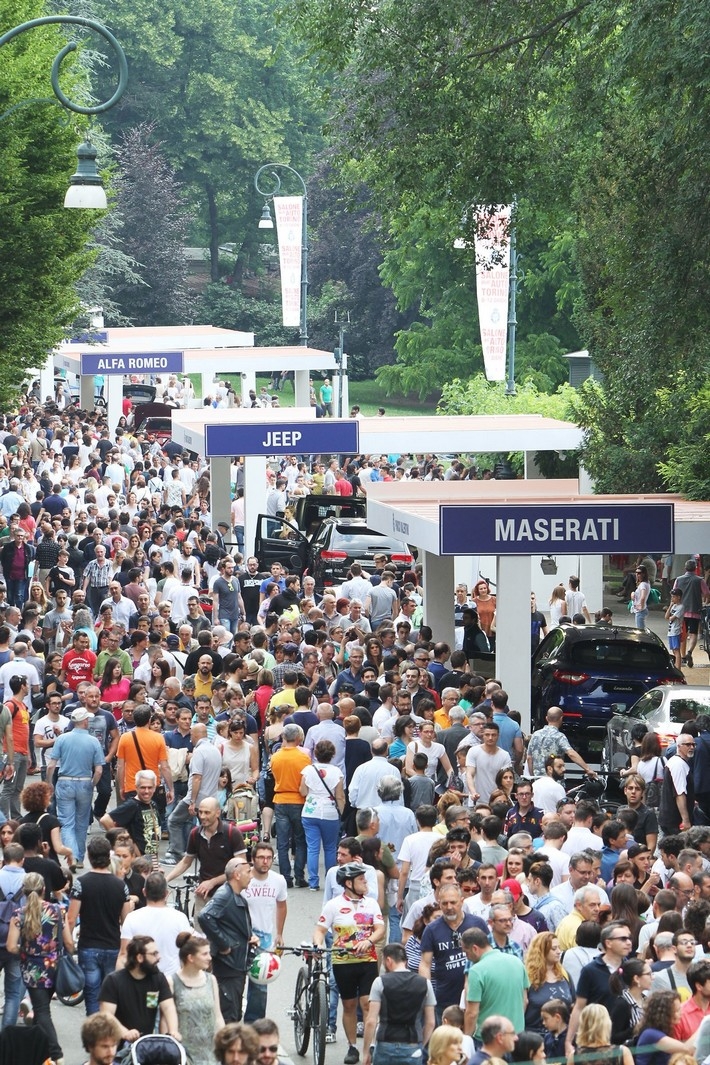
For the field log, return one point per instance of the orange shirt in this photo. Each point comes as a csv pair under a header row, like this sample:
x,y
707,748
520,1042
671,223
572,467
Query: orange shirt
x,y
20,725
153,749
287,764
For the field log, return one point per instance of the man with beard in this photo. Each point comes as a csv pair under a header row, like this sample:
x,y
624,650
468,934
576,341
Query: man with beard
x,y
135,994
548,790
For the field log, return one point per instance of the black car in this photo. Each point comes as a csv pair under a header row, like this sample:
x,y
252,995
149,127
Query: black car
x,y
588,669
328,555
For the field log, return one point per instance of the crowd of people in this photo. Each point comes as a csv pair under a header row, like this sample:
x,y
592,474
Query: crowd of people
x,y
168,705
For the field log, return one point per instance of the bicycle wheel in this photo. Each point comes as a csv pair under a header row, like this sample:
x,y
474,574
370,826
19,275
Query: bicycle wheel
x,y
301,1020
319,1021
706,635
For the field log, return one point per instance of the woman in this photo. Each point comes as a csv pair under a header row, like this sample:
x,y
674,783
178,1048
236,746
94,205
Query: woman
x,y
34,935
651,766
631,984
486,606
435,752
547,979
322,786
35,798
587,940
38,599
660,1016
196,999
83,622
134,543
114,687
159,673
639,598
224,792
513,866
594,1044
558,605
413,946
240,756
446,1046
529,1046
373,654
625,907
505,781
403,732
271,738
7,832
125,853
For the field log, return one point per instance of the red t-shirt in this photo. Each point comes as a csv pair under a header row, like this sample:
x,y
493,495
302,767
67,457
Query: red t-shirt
x,y
78,666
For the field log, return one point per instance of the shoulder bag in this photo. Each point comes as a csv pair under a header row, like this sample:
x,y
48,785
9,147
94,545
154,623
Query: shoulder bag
x,y
69,977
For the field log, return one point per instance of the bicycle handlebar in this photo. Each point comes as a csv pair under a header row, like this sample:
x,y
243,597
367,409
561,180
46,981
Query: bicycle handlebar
x,y
307,948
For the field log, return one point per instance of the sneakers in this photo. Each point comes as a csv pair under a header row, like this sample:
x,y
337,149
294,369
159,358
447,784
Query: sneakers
x,y
330,1036
360,1030
352,1056
169,859
301,883
689,661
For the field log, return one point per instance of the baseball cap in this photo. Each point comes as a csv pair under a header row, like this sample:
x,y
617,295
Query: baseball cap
x,y
173,640
513,886
290,648
80,714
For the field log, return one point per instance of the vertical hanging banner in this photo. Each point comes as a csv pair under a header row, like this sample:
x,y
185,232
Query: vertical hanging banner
x,y
492,286
289,230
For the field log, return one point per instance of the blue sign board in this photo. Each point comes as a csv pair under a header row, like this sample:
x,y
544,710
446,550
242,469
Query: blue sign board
x,y
325,435
112,364
564,529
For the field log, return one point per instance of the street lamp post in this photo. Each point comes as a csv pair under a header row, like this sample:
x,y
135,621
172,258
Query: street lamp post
x,y
86,188
266,222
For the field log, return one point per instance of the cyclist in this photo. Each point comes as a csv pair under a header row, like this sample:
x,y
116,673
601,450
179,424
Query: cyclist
x,y
355,919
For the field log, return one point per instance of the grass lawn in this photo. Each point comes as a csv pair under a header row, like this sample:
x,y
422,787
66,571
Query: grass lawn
x,y
368,394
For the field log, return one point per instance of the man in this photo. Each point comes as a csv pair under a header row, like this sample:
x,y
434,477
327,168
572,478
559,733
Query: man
x,y
575,600
227,603
78,663
540,877
226,922
163,922
101,899
121,607
554,835
581,874
139,815
100,1036
286,765
401,1005
202,783
697,1008
523,816
97,578
580,837
57,623
675,976
327,729
413,858
357,586
593,985
501,920
452,735
135,995
498,1039
694,595
497,983
141,748
480,904
441,874
483,763
548,790
102,725
16,706
350,676
586,908
113,650
442,953
268,1034
550,740
17,558
213,843
266,897
357,925
363,789
80,759
675,813
381,601
12,876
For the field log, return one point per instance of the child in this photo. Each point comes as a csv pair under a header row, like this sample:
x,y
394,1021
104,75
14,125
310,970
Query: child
x,y
422,788
555,1018
674,616
453,1015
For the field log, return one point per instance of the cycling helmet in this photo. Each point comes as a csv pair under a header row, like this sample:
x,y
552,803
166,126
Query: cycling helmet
x,y
349,871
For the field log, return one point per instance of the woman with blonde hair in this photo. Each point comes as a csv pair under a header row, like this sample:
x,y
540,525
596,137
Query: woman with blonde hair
x,y
446,1045
34,935
558,605
594,1046
548,979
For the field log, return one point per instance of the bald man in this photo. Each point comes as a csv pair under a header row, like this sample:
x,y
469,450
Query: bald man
x,y
213,842
327,729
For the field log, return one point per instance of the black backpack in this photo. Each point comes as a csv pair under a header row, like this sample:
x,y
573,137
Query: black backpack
x,y
8,905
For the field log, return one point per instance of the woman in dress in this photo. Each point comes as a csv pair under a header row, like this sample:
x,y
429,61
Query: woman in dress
x,y
630,986
548,979
34,935
322,786
486,606
196,999
639,598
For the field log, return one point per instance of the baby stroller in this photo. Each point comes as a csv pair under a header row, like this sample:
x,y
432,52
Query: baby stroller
x,y
157,1050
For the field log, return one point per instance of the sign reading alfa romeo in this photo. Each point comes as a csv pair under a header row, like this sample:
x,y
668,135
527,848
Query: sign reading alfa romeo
x,y
117,364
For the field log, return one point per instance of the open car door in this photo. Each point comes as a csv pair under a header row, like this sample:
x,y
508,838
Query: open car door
x,y
277,540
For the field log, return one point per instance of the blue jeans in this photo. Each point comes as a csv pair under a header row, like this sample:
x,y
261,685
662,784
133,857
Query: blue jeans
x,y
641,616
256,1002
179,824
13,987
397,1054
395,922
12,789
17,592
74,813
318,830
288,822
96,964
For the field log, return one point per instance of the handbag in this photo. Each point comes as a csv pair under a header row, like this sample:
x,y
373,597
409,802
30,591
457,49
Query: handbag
x,y
69,977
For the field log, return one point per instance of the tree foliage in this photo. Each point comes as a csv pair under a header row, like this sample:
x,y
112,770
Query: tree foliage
x,y
43,245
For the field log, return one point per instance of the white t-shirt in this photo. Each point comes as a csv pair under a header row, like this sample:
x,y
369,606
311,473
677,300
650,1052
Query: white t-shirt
x,y
163,924
547,793
558,861
475,905
415,850
579,839
487,766
261,897
319,803
433,753
47,729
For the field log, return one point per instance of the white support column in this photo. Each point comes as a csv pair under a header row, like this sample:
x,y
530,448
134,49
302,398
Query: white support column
x,y
438,580
254,497
113,392
220,493
46,380
532,473
301,390
591,581
248,382
513,632
86,391
207,380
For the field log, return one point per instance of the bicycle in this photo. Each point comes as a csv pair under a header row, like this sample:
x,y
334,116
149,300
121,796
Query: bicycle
x,y
183,895
310,1000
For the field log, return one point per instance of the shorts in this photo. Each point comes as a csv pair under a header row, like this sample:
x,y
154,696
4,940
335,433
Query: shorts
x,y
354,979
674,642
691,624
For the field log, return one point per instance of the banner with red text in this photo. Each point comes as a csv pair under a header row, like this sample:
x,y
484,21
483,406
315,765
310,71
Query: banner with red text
x,y
492,286
289,229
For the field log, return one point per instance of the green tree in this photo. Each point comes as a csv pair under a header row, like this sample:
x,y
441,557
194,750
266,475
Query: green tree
x,y
43,245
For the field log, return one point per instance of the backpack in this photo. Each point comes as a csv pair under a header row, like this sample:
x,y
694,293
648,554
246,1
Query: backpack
x,y
652,795
8,905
